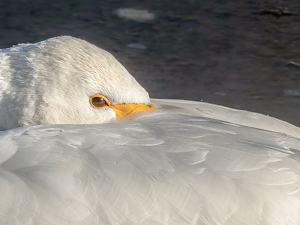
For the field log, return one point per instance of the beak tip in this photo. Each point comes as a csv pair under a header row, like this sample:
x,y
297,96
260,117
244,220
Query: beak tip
x,y
123,110
152,107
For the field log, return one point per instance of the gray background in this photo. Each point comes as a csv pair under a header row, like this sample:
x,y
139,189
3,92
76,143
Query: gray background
x,y
234,53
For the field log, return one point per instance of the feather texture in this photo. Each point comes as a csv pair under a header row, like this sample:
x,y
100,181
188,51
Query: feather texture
x,y
162,168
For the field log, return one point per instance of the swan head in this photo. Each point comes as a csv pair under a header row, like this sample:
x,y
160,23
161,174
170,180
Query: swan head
x,y
65,80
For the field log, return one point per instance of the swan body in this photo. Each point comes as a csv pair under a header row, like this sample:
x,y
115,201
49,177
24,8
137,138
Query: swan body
x,y
185,163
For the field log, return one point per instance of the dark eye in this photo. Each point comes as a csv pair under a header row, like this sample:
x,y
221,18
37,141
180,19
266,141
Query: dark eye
x,y
98,101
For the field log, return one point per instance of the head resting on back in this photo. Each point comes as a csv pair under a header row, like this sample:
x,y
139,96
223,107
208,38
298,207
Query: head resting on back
x,y
54,81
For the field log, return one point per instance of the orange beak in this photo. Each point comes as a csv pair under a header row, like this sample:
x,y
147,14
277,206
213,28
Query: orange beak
x,y
123,110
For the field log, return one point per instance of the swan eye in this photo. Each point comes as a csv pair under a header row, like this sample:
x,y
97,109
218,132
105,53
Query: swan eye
x,y
99,101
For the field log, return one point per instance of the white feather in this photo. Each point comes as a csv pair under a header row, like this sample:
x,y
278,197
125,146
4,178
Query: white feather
x,y
187,163
50,82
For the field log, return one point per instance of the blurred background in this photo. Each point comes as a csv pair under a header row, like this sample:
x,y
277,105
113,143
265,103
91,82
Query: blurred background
x,y
238,53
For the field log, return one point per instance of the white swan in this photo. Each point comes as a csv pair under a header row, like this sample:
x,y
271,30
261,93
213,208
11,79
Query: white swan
x,y
185,163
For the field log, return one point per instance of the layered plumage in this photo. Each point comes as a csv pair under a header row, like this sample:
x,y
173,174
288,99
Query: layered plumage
x,y
51,82
186,163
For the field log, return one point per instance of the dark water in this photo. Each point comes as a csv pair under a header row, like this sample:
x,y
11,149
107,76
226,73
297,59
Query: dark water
x,y
232,53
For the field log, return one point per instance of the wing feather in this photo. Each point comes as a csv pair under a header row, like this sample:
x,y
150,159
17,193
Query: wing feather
x,y
162,168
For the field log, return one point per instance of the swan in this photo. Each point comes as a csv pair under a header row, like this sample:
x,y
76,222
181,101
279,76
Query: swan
x,y
82,143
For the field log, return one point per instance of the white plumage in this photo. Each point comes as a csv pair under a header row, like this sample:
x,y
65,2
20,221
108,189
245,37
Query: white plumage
x,y
50,82
186,163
